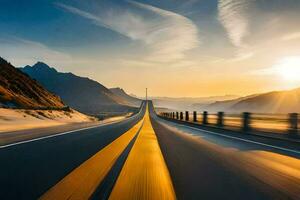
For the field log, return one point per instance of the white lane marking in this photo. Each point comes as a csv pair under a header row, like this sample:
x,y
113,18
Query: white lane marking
x,y
54,135
241,139
63,133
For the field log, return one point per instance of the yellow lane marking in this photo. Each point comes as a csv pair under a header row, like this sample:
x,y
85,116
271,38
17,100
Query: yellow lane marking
x,y
83,181
144,175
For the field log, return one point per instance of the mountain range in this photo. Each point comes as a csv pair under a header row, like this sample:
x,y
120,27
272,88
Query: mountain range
x,y
271,102
41,86
18,90
83,94
188,103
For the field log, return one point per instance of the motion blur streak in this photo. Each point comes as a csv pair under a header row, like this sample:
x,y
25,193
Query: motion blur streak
x,y
144,174
278,172
83,181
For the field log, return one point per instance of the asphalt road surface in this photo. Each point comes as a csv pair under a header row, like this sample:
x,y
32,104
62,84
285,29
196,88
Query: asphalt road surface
x,y
28,170
146,157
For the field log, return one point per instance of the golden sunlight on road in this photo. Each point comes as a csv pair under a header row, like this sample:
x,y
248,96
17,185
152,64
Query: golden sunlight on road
x,y
144,174
83,181
277,171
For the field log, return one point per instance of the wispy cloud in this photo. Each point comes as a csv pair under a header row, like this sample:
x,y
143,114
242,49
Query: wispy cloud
x,y
233,16
168,35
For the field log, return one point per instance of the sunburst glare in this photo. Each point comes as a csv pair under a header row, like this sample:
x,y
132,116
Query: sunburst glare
x,y
289,68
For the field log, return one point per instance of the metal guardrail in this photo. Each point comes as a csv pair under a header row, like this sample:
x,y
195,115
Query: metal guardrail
x,y
273,123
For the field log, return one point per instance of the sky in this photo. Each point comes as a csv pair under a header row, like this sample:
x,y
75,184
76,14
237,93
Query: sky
x,y
175,48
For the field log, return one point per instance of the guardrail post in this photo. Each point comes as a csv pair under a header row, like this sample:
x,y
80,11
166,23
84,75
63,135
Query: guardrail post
x,y
205,114
246,121
220,121
177,115
293,119
173,115
187,116
181,115
195,116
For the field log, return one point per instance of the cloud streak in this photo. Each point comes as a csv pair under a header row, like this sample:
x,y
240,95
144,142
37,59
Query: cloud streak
x,y
233,16
168,35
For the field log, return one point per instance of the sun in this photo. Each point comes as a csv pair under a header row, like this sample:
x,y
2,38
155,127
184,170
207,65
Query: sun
x,y
289,68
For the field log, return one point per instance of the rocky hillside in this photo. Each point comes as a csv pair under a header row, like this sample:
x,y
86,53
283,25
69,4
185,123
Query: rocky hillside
x,y
20,91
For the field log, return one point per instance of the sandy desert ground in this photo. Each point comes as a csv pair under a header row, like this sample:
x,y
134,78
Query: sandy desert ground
x,y
20,119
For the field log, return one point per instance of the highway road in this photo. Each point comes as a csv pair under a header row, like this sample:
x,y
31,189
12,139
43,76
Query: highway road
x,y
28,170
146,157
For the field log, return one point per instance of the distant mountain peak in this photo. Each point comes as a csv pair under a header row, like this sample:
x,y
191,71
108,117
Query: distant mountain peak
x,y
41,66
118,89
122,94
